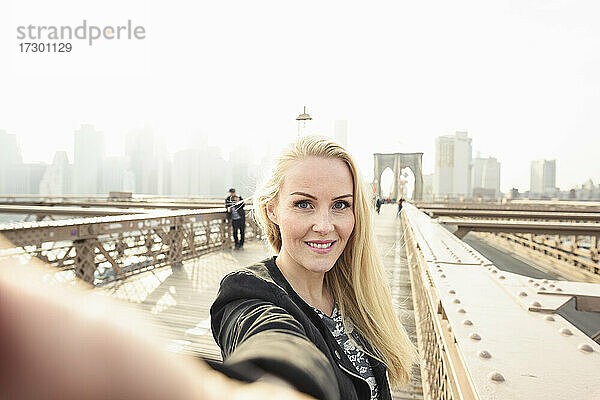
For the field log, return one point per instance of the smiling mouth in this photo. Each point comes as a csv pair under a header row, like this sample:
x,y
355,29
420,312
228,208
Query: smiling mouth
x,y
320,245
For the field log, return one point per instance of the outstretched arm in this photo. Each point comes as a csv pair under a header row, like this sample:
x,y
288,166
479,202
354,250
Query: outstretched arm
x,y
65,343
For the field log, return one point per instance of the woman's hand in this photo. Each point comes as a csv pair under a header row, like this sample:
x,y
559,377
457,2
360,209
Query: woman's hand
x,y
58,342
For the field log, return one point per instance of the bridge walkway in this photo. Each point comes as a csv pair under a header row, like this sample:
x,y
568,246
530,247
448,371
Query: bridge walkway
x,y
176,300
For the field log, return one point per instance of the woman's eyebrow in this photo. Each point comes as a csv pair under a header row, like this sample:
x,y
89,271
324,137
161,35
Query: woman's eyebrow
x,y
314,198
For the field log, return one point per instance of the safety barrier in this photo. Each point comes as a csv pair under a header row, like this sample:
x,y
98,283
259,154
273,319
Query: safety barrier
x,y
484,333
103,249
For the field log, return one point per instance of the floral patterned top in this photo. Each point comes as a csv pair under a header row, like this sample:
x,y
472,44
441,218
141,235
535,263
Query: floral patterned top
x,y
355,354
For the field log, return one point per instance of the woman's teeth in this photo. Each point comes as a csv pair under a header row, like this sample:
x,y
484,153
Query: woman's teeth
x,y
320,245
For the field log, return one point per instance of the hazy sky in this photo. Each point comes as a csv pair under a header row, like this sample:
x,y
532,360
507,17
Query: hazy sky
x,y
520,76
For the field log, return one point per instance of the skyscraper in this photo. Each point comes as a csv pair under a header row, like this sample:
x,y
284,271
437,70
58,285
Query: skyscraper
x,y
57,179
542,178
10,157
452,176
486,175
89,157
139,147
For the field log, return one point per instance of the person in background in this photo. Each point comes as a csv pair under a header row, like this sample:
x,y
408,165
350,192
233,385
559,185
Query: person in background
x,y
378,204
237,216
400,201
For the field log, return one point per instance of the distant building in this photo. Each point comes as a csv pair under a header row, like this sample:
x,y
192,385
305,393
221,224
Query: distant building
x,y
542,181
340,132
242,175
140,148
187,177
58,177
452,177
163,168
26,178
485,177
587,191
89,158
214,162
117,175
10,157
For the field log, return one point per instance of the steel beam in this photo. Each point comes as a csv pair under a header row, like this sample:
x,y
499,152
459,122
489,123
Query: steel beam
x,y
560,206
537,227
67,211
512,214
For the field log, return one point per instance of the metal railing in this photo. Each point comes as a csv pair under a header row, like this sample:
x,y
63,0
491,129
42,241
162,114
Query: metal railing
x,y
103,249
484,333
562,236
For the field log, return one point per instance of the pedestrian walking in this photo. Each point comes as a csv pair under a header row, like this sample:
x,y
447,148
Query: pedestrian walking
x,y
400,201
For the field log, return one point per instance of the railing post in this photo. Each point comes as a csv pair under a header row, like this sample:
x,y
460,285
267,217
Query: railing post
x,y
85,259
175,238
226,232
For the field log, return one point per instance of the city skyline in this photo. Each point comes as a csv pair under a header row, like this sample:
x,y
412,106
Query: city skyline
x,y
147,167
400,73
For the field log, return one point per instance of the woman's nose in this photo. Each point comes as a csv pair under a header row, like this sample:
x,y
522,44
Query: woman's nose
x,y
323,224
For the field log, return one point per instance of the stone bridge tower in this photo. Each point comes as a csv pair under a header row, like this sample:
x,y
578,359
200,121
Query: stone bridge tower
x,y
396,162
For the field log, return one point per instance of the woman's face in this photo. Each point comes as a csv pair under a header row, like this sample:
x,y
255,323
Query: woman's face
x,y
314,211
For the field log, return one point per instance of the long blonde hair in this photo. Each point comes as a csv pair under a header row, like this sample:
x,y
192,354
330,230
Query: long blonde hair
x,y
356,280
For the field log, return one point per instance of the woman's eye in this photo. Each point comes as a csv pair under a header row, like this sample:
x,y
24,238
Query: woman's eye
x,y
340,205
303,204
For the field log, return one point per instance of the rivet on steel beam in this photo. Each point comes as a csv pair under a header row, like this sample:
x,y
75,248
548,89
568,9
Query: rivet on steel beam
x,y
536,284
484,354
542,288
565,331
494,271
552,285
586,348
523,294
495,377
456,301
545,281
442,276
558,289
501,277
535,304
451,291
474,336
461,310
467,322
530,280
549,318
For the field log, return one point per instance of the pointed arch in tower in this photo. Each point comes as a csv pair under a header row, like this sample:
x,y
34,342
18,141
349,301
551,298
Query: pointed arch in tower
x,y
396,162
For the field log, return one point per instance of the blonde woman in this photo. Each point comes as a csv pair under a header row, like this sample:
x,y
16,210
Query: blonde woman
x,y
318,315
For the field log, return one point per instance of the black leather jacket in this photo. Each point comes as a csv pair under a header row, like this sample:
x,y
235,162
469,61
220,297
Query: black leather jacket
x,y
260,322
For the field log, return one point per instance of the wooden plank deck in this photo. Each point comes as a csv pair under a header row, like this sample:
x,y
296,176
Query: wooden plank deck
x,y
176,301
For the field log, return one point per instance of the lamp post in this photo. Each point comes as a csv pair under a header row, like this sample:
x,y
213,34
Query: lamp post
x,y
302,118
